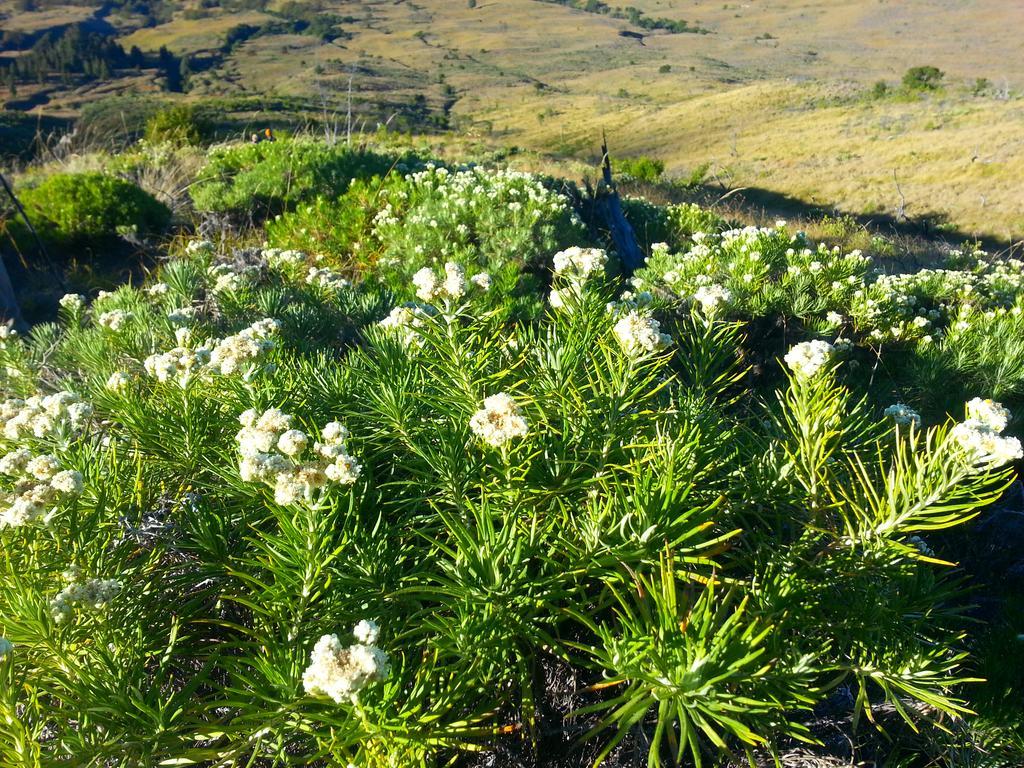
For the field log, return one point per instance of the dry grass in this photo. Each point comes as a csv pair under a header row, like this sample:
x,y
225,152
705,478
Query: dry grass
x,y
785,113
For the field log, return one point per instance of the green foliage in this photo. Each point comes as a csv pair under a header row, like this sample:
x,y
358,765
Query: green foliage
x,y
626,483
256,180
641,168
687,219
923,78
76,208
117,120
179,125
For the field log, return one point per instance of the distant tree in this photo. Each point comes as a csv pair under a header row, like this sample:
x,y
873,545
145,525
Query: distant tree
x,y
179,125
136,58
880,89
923,78
665,68
471,3
185,72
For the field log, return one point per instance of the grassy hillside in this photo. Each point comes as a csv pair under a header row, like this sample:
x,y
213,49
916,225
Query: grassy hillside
x,y
775,96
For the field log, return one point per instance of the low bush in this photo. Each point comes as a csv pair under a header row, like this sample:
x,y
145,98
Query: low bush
x,y
641,168
179,125
77,208
252,181
923,78
272,515
375,501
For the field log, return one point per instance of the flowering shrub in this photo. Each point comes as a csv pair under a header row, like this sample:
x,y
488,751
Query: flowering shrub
x,y
355,497
252,454
480,219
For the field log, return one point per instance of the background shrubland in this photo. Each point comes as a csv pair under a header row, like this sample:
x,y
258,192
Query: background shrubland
x,y
382,459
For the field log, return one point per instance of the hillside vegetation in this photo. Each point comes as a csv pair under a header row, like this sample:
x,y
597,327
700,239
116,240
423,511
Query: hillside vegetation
x,y
781,97
382,460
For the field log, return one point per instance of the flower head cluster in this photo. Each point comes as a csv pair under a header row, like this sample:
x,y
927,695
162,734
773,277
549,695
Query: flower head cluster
x,y
118,381
638,334
903,415
979,436
277,258
993,415
200,248
227,279
180,365
450,286
573,266
499,421
340,672
42,416
579,263
7,333
712,297
114,320
245,348
326,278
80,594
73,302
182,316
809,357
405,322
288,460
39,485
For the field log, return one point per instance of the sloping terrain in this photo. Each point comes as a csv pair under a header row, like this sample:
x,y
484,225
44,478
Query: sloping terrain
x,y
778,96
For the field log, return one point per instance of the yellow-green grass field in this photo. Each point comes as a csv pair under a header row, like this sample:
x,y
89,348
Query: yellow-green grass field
x,y
777,95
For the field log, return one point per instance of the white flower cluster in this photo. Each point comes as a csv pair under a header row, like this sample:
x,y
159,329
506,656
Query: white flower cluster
x,y
158,289
40,484
92,595
42,416
277,258
180,365
980,438
114,320
903,415
579,263
286,459
182,316
712,297
326,278
573,266
340,672
7,333
451,286
118,381
200,247
227,279
405,322
245,348
993,415
638,334
227,356
73,302
809,357
499,421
